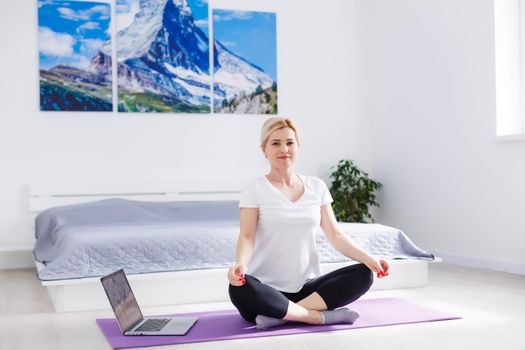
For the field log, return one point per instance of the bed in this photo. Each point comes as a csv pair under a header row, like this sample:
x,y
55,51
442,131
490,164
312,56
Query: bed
x,y
175,246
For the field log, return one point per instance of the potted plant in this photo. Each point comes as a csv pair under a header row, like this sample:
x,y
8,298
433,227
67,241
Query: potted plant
x,y
353,192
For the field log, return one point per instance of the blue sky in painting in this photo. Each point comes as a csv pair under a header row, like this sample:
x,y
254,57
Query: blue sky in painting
x,y
199,9
251,35
71,32
126,10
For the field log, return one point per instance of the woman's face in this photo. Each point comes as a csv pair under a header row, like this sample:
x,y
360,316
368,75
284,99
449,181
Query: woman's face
x,y
281,148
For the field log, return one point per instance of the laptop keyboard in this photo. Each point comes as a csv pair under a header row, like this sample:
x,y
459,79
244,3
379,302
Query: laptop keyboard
x,y
153,325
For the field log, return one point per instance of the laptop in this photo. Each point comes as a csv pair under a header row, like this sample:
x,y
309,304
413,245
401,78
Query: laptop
x,y
129,316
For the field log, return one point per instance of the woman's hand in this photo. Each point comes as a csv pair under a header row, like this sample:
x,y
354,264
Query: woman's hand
x,y
380,267
236,275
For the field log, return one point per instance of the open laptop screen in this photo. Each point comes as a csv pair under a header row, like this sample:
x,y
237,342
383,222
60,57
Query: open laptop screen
x,y
121,299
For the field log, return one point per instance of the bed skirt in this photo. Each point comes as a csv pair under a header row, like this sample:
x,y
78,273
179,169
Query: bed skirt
x,y
200,286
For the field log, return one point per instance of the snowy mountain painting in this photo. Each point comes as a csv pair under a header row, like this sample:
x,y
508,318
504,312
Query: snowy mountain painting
x,y
73,76
244,62
163,56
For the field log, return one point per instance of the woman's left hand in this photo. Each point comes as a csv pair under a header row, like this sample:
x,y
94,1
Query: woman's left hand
x,y
380,267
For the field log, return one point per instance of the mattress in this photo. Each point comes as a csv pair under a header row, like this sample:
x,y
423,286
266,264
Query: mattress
x,y
94,239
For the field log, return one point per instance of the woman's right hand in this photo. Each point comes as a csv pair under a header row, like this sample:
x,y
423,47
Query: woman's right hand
x,y
236,275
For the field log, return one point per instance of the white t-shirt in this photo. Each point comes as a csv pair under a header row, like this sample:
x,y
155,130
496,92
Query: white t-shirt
x,y
285,254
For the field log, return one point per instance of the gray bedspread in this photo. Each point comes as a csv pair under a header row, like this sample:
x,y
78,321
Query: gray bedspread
x,y
94,239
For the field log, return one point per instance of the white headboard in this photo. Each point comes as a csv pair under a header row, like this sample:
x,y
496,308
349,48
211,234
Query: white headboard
x,y
46,195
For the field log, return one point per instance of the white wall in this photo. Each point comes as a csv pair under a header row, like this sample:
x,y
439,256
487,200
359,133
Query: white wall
x,y
316,77
428,121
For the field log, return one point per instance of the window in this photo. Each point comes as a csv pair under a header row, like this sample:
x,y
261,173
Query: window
x,y
509,26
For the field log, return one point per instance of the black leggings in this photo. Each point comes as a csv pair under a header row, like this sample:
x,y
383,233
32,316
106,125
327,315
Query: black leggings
x,y
337,288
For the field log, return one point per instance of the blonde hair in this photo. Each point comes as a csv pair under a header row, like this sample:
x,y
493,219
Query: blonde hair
x,y
273,124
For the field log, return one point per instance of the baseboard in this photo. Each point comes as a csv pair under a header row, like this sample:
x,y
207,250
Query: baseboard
x,y
16,259
483,263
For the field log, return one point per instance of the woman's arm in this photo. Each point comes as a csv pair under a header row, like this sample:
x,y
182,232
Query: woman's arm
x,y
346,246
248,227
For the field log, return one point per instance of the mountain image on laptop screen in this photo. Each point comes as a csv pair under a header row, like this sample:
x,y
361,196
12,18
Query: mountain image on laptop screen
x,y
122,300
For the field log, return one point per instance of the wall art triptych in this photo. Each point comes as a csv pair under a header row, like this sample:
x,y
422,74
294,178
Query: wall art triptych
x,y
162,56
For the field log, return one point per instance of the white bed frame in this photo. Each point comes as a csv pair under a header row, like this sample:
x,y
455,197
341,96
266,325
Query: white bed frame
x,y
169,288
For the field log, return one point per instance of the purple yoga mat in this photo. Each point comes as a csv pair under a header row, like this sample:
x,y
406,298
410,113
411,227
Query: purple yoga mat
x,y
227,324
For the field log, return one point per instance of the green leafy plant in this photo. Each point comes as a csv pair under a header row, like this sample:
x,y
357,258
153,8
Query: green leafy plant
x,y
353,192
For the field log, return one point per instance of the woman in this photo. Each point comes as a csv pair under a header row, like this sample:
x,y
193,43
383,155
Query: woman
x,y
276,277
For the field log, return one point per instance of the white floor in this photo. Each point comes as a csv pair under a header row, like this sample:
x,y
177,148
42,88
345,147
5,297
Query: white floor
x,y
492,305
